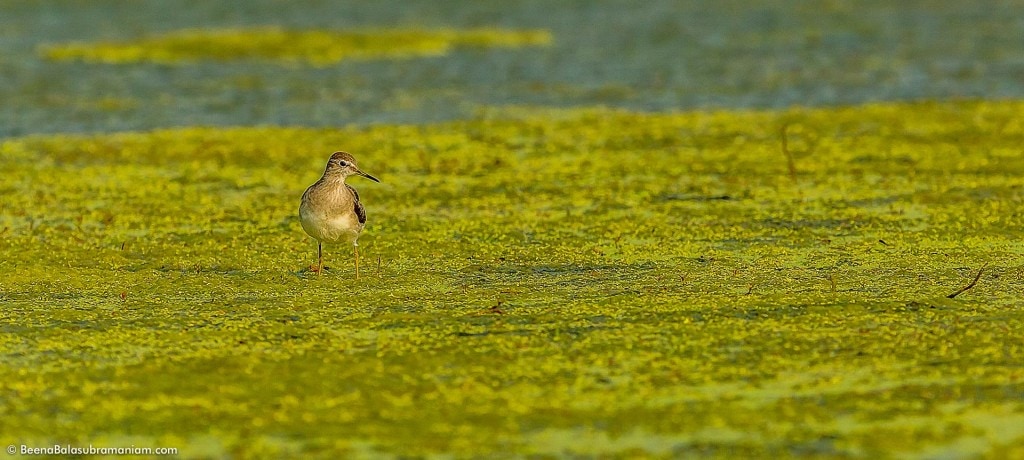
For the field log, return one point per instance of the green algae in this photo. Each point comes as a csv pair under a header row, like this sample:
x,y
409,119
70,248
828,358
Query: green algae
x,y
317,47
536,282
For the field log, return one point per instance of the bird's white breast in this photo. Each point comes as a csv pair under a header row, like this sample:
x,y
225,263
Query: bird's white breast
x,y
332,221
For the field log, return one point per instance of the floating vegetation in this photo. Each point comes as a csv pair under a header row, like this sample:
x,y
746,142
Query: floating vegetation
x,y
576,282
316,47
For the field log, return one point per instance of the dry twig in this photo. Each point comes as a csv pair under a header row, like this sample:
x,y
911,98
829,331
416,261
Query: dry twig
x,y
976,278
789,155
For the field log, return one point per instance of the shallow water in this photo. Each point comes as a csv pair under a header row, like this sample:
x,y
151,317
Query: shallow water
x,y
659,55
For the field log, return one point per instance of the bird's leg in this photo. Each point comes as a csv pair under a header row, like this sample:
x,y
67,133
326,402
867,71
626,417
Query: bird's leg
x,y
319,257
356,247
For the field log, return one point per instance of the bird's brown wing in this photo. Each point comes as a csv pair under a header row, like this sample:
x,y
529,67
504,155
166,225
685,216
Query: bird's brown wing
x,y
360,211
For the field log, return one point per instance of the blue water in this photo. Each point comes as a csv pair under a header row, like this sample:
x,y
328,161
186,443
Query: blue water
x,y
645,55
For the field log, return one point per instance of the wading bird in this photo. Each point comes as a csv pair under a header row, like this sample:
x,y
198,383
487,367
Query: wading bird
x,y
330,210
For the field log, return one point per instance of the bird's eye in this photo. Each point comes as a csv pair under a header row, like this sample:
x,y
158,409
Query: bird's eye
x,y
342,163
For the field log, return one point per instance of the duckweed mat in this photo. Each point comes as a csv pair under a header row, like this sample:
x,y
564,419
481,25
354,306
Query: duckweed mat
x,y
318,47
536,282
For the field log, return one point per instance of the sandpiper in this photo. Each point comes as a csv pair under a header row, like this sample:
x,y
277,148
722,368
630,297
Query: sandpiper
x,y
331,211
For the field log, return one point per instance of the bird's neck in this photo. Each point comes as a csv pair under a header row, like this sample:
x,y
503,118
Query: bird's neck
x,y
333,179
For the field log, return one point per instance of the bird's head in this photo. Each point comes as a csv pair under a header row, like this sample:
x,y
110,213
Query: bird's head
x,y
343,164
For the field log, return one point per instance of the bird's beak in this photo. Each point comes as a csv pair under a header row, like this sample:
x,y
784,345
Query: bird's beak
x,y
367,176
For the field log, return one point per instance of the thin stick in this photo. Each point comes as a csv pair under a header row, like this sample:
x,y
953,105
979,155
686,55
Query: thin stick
x,y
976,278
789,155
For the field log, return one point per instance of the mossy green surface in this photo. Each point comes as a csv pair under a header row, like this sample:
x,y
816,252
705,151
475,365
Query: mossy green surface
x,y
321,47
535,282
